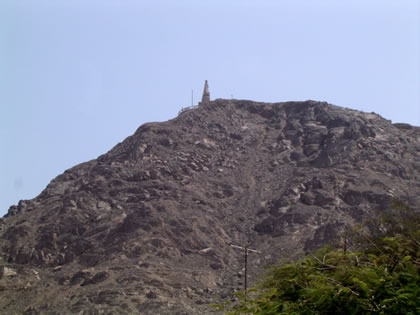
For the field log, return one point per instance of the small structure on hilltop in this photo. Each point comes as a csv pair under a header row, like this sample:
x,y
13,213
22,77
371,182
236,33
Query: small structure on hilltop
x,y
204,99
206,94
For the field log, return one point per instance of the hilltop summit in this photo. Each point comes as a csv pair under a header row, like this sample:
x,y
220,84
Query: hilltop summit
x,y
147,227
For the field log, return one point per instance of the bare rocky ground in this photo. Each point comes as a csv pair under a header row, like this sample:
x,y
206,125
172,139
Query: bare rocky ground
x,y
147,227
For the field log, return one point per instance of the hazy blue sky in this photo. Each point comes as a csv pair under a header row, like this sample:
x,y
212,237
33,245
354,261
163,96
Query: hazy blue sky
x,y
78,76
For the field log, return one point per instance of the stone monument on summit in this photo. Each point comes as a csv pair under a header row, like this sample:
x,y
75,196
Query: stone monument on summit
x,y
206,94
204,99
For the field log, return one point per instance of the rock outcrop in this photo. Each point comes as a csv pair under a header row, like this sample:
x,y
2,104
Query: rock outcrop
x,y
147,227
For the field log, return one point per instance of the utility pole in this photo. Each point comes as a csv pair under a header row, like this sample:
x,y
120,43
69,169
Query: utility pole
x,y
246,250
345,244
346,241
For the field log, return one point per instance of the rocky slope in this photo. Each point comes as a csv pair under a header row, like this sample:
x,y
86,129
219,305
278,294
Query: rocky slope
x,y
147,227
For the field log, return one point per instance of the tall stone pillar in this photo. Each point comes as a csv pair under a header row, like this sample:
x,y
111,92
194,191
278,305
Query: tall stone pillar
x,y
206,93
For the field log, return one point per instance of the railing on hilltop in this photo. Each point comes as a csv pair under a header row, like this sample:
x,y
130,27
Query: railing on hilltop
x,y
183,109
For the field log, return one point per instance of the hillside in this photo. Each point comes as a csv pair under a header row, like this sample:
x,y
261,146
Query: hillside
x,y
147,227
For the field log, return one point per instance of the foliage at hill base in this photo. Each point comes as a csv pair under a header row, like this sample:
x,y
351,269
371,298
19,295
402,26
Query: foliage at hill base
x,y
380,276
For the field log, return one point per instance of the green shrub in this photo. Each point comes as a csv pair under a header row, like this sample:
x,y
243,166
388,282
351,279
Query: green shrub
x,y
378,274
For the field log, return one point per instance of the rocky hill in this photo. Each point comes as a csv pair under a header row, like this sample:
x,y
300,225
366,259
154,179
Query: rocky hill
x,y
147,227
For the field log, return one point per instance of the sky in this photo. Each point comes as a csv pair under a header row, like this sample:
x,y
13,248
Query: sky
x,y
79,76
